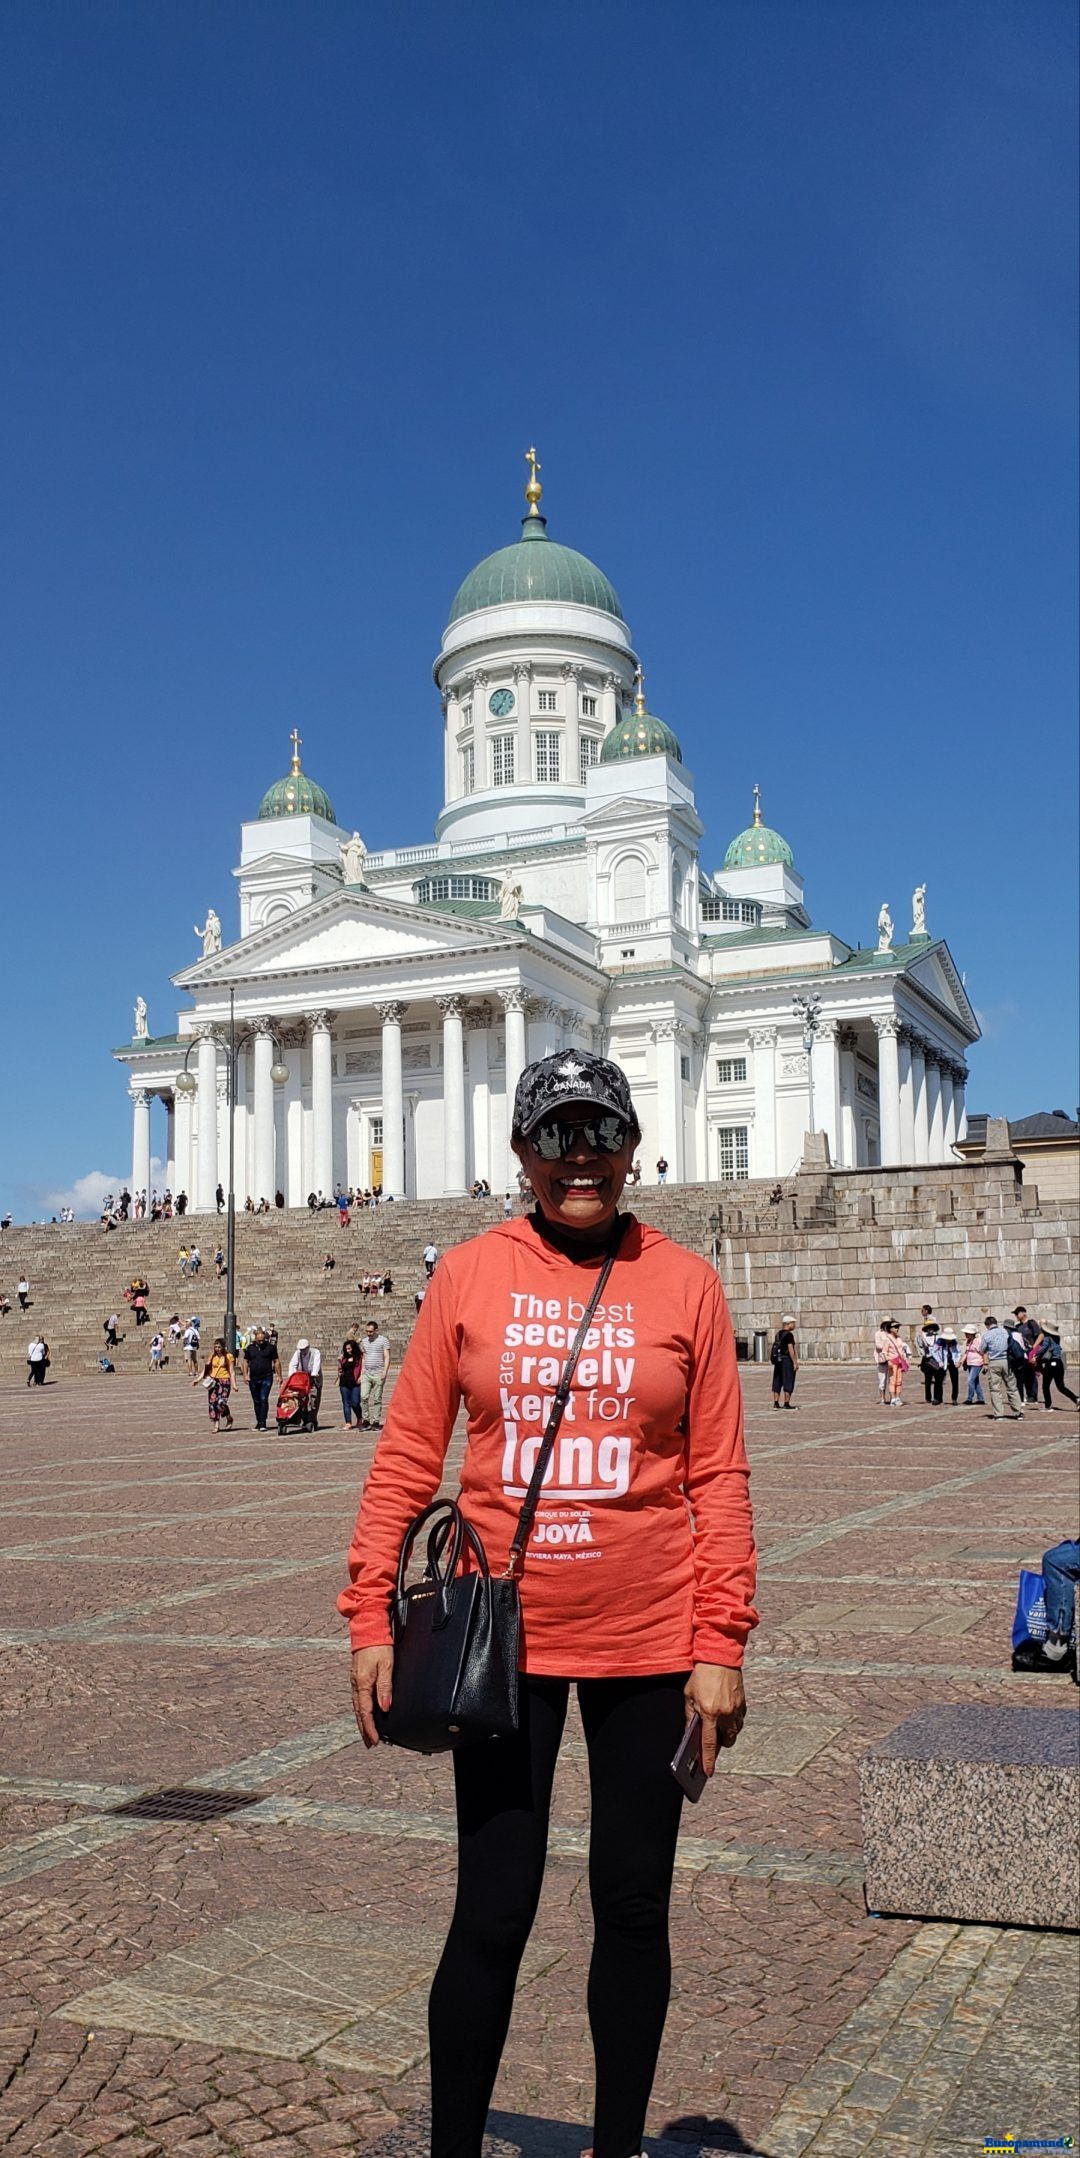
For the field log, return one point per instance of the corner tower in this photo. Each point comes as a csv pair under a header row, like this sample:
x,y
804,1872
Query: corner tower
x,y
535,670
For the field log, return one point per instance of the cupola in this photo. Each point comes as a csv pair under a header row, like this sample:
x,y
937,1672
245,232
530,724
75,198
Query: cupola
x,y
758,846
640,734
296,795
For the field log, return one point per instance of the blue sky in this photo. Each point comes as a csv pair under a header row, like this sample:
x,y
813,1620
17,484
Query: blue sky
x,y
783,293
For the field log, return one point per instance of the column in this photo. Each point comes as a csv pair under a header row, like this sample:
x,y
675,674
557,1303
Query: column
x,y
763,1046
322,1100
701,1109
183,1146
478,1022
918,1083
959,1103
827,1085
609,702
522,716
849,1098
887,1029
451,757
263,1105
907,1098
393,1106
948,1112
936,1149
453,1096
572,751
170,1143
206,1096
668,1036
514,1002
140,1143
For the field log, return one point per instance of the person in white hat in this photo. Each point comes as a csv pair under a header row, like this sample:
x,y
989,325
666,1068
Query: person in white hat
x,y
949,1353
305,1358
973,1360
785,1362
1052,1363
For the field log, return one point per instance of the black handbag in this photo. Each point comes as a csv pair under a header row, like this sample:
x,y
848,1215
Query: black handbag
x,y
457,1636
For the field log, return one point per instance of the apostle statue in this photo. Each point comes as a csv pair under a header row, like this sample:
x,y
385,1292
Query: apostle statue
x,y
142,1031
353,856
918,911
511,895
210,934
884,928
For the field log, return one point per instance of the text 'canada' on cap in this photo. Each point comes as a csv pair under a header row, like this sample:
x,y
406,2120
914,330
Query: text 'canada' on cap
x,y
571,1077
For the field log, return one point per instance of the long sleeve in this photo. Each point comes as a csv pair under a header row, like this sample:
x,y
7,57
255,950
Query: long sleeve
x,y
717,1486
407,1469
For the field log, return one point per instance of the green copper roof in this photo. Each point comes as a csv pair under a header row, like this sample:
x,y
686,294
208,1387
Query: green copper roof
x,y
640,734
297,796
758,845
535,568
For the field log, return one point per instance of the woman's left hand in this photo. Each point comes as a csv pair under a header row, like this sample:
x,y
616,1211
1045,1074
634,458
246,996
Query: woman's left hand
x,y
715,1693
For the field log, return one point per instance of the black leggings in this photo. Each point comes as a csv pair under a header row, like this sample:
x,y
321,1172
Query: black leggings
x,y
1054,1375
632,1728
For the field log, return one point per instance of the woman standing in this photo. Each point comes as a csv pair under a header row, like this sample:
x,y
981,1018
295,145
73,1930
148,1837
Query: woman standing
x,y
785,1362
637,1583
350,1366
949,1352
218,1373
883,1360
899,1355
972,1358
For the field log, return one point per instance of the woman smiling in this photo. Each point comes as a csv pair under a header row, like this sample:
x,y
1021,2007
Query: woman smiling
x,y
637,1586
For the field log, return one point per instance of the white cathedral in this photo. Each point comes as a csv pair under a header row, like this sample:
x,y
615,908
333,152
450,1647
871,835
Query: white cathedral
x,y
384,1004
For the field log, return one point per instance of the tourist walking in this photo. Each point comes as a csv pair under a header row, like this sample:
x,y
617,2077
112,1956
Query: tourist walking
x,y
376,1361
191,1347
194,1259
262,1366
219,1262
218,1373
899,1355
305,1358
350,1371
182,1260
1030,1333
785,1362
661,1171
157,1349
999,1373
112,1337
883,1360
948,1349
431,1254
647,1610
1052,1364
22,1291
974,1363
930,1363
37,1360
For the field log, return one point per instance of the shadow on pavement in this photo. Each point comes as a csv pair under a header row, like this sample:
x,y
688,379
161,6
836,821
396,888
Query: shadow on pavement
x,y
518,2135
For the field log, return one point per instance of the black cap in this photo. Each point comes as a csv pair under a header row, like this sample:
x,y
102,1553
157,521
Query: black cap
x,y
571,1076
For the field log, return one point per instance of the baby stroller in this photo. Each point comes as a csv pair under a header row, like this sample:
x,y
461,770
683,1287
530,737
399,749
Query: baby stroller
x,y
297,1404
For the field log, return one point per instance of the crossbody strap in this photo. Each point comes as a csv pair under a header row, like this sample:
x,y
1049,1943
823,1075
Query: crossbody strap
x,y
531,1501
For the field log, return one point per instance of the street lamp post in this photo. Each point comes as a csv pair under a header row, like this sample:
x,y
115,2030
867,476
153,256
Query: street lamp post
x,y
808,1009
232,1043
714,1226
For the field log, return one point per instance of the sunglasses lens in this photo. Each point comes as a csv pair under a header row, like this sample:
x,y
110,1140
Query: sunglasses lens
x,y
554,1139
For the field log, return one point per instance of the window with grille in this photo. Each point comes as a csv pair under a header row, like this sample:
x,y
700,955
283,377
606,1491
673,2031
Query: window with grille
x,y
547,756
502,760
734,1153
547,700
731,1071
465,716
715,909
431,889
589,749
376,1131
588,707
468,769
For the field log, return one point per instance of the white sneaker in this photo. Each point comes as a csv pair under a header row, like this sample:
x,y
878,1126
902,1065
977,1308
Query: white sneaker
x,y
1054,1648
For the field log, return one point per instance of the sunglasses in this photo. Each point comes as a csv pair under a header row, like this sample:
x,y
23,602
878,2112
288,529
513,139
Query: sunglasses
x,y
554,1138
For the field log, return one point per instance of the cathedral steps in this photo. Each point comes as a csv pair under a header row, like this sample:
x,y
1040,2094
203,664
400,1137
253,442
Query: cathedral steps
x,y
840,1248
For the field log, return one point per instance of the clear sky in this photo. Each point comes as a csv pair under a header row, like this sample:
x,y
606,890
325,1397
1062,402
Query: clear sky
x,y
784,293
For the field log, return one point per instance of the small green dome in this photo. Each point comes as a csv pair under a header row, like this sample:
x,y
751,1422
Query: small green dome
x,y
640,734
535,568
296,795
758,845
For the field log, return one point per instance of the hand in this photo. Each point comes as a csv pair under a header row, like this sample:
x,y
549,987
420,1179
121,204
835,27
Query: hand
x,y
372,1680
714,1693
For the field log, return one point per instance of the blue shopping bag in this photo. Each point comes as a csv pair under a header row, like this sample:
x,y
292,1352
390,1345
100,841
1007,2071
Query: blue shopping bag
x,y
1030,1621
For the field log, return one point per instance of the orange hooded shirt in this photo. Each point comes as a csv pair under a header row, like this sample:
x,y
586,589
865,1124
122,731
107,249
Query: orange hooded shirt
x,y
641,1559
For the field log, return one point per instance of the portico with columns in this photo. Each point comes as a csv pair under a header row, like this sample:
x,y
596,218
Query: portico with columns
x,y
563,902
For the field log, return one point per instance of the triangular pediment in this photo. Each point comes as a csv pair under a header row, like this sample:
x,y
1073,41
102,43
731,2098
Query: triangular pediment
x,y
620,811
934,971
347,929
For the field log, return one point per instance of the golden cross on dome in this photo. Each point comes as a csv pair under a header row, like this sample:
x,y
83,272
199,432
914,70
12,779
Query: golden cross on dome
x,y
757,805
534,490
639,700
296,740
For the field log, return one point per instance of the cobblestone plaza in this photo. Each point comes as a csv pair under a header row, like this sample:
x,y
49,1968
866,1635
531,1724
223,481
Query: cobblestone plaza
x,y
244,1967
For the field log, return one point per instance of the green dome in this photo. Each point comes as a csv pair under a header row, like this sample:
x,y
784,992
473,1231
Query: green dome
x,y
758,845
535,568
296,795
640,734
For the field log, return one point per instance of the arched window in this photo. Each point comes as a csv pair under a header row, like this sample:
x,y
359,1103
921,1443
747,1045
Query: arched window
x,y
629,888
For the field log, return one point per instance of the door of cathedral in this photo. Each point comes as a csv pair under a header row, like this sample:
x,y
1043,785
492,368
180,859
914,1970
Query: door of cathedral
x,y
376,1167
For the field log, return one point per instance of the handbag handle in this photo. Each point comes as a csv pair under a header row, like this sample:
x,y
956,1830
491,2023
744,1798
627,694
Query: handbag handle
x,y
453,1529
527,1516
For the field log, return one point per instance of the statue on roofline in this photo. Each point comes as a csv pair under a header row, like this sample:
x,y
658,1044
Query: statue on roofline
x,y
142,1031
884,928
210,934
511,894
353,856
918,911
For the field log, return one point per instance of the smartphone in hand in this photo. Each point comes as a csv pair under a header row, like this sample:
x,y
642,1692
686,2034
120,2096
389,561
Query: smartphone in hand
x,y
686,1767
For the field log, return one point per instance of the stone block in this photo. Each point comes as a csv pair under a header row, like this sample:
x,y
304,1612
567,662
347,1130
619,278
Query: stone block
x,y
972,1813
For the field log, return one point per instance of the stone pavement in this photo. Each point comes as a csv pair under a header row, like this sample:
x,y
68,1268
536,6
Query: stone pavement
x,y
242,1966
